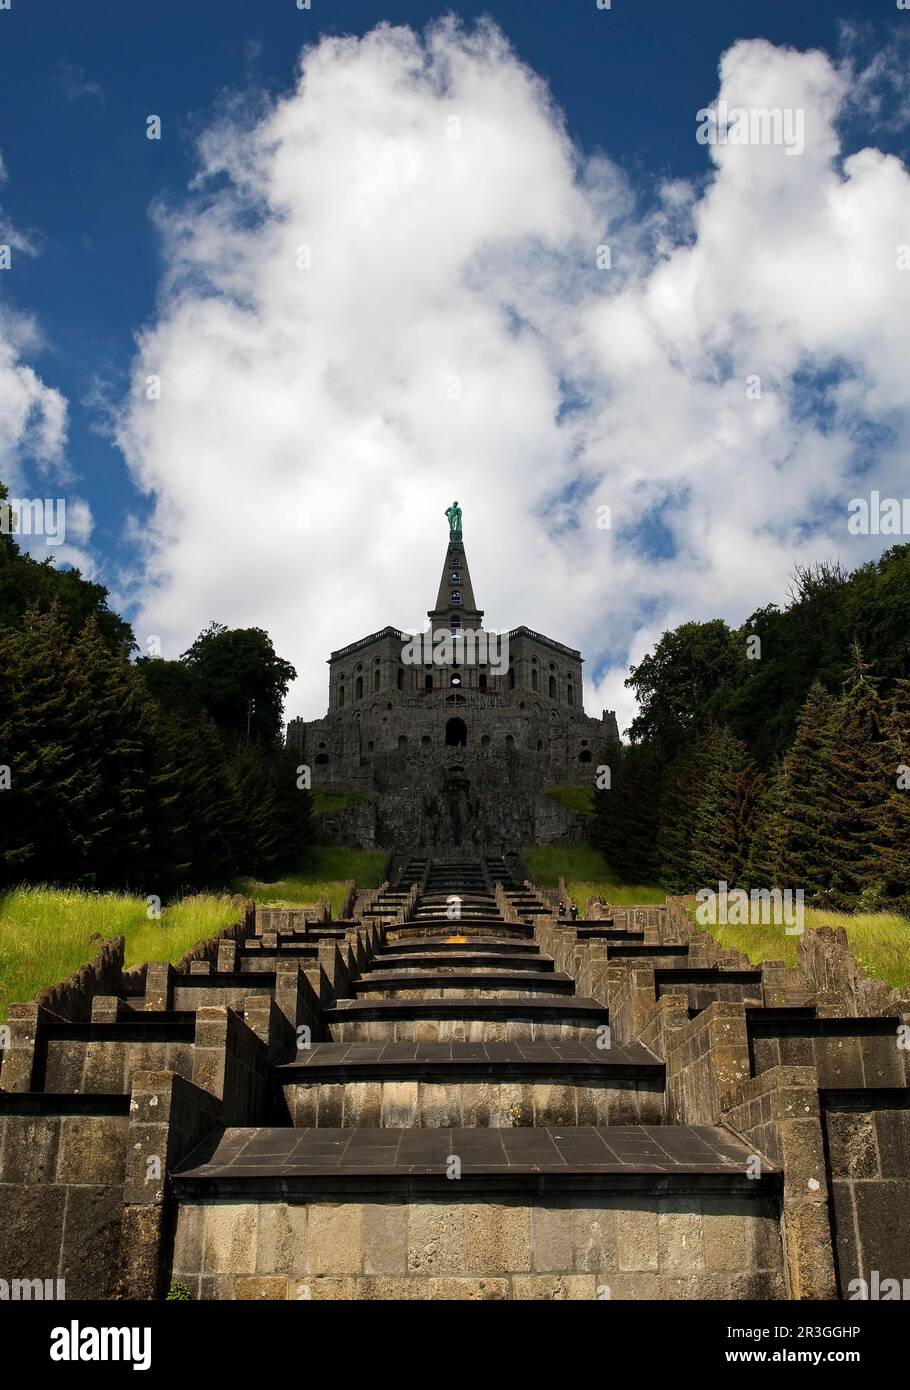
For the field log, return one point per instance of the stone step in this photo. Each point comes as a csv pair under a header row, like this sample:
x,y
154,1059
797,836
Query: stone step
x,y
622,1213
395,984
472,1084
848,1052
464,1019
645,955
478,943
471,930
459,957
237,1157
702,985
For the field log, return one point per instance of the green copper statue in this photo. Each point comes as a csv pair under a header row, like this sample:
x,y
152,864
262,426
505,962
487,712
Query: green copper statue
x,y
454,515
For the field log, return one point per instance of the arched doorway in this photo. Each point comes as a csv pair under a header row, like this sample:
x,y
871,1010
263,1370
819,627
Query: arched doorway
x,y
456,733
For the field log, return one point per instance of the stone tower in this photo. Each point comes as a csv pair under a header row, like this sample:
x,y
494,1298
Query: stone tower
x,y
459,730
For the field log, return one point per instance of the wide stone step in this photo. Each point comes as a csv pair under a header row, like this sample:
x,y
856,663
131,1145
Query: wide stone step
x,y
397,1085
453,1213
460,957
274,1158
490,945
490,926
392,984
465,1019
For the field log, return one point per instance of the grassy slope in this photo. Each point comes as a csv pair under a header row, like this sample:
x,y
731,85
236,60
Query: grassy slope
x,y
587,875
321,875
45,933
879,940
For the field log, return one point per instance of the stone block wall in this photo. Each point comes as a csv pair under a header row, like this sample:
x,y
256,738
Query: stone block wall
x,y
61,1194
584,1245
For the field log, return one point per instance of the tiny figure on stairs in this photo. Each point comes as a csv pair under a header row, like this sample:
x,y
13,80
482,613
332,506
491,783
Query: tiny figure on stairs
x,y
573,910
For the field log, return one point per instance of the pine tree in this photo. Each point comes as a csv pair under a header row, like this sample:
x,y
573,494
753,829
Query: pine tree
x,y
683,789
798,825
722,822
760,869
859,779
893,840
39,741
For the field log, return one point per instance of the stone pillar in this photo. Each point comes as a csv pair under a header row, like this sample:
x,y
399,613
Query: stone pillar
x,y
779,1112
159,986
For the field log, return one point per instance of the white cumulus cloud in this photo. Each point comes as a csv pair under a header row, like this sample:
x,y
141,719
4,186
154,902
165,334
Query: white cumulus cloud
x,y
383,292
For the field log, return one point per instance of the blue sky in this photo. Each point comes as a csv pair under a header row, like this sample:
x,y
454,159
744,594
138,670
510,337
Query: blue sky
x,y
78,81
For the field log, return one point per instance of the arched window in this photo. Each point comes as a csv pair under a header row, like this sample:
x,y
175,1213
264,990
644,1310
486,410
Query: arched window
x,y
358,688
552,687
511,677
540,745
455,596
535,674
510,742
401,678
341,692
402,740
585,755
570,689
485,741
425,741
428,682
376,677
482,681
456,732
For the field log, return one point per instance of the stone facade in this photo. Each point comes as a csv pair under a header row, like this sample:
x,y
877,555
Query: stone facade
x,y
466,735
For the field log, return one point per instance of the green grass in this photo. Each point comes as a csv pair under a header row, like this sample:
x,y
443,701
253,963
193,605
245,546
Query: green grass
x,y
880,941
320,875
575,798
46,933
587,875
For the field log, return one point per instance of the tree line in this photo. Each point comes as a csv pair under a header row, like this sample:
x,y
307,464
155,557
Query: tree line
x,y
777,762
150,774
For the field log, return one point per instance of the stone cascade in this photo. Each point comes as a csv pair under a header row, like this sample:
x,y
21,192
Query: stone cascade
x,y
452,1092
466,1126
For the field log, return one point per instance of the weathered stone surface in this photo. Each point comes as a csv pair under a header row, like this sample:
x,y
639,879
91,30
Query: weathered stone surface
x,y
335,1238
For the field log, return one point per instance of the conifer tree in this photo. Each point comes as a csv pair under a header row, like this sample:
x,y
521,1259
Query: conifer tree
x,y
894,824
849,861
797,827
722,821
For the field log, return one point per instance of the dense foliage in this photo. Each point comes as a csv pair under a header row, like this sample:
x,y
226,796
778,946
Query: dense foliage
x,y
150,774
782,762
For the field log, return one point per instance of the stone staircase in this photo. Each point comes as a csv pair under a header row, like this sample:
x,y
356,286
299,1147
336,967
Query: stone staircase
x,y
454,1094
467,1127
